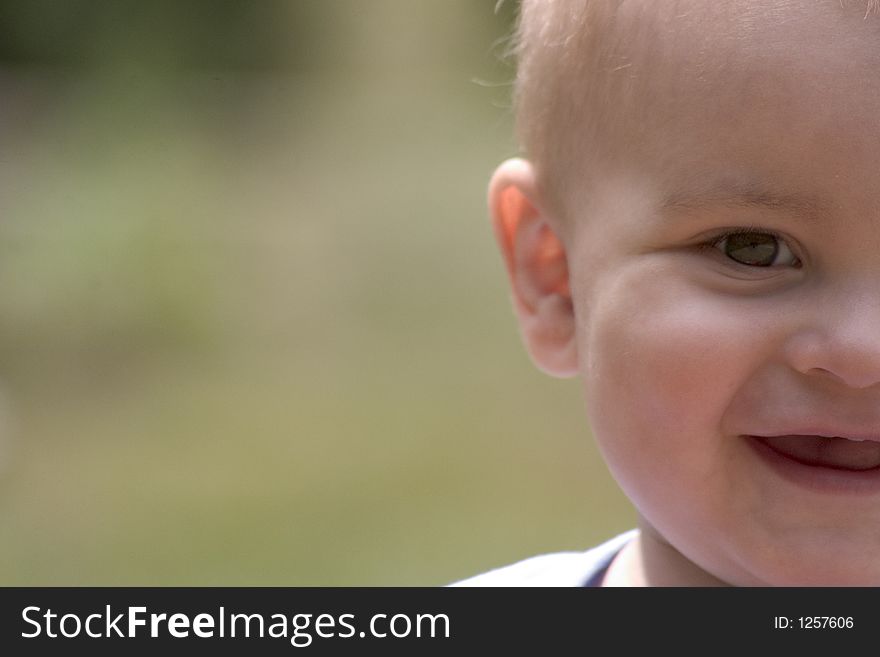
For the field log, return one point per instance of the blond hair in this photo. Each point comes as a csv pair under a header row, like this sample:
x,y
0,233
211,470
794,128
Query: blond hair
x,y
588,76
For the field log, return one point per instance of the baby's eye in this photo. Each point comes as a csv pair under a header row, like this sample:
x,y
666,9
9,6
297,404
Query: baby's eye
x,y
756,249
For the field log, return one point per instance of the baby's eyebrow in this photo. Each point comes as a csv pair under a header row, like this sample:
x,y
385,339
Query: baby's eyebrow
x,y
744,195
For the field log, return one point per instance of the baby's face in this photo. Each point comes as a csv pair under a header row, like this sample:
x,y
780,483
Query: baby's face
x,y
726,288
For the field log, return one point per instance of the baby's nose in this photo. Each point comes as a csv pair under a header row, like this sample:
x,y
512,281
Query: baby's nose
x,y
841,340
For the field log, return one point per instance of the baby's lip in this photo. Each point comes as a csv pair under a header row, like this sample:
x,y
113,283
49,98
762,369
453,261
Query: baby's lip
x,y
838,431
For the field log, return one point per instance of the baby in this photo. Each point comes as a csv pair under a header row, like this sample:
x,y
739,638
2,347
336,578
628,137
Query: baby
x,y
696,235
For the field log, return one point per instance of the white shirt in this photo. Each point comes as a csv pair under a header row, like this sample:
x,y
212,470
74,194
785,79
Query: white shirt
x,y
558,569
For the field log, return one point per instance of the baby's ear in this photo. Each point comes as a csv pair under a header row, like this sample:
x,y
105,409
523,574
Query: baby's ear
x,y
537,268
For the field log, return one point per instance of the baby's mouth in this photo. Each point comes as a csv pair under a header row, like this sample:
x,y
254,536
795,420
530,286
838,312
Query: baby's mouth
x,y
827,452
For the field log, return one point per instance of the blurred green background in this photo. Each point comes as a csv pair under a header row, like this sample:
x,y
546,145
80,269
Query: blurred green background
x,y
253,326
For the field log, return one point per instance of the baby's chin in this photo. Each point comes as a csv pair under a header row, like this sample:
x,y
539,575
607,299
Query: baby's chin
x,y
805,557
825,575
810,565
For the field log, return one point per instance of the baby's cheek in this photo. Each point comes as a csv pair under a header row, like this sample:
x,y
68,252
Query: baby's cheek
x,y
664,365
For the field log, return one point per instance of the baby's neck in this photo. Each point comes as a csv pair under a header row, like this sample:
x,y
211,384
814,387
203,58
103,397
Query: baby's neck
x,y
648,560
